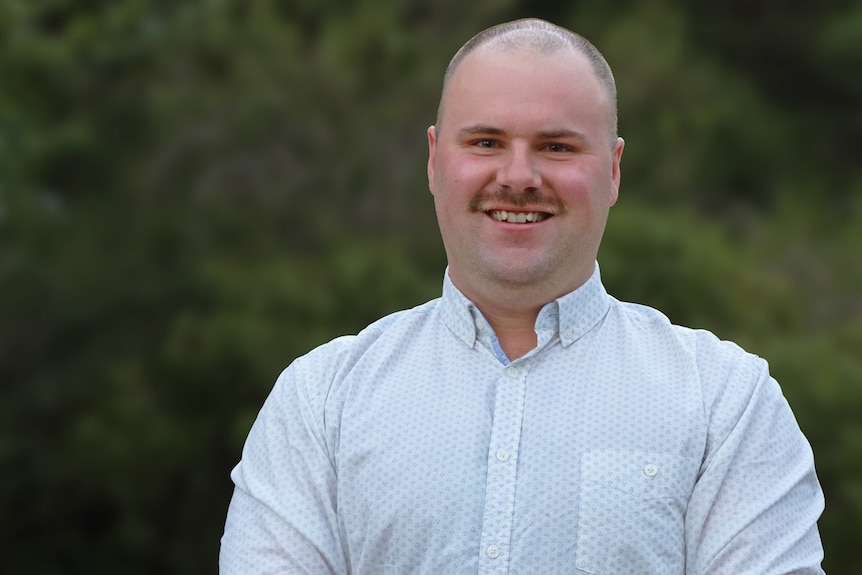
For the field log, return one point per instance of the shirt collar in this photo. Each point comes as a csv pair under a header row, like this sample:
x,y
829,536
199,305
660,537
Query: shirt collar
x,y
571,315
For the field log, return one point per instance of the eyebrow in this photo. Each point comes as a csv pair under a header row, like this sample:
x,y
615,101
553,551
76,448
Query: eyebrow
x,y
481,129
485,129
562,134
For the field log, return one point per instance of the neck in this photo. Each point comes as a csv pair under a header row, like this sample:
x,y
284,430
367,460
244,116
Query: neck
x,y
511,310
511,315
515,330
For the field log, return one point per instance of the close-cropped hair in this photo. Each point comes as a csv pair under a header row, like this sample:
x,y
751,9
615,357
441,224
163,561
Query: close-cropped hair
x,y
544,37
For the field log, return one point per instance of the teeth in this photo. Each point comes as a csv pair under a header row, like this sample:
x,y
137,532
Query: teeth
x,y
517,217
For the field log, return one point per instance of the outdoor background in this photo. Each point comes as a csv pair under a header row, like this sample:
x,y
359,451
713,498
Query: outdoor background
x,y
194,193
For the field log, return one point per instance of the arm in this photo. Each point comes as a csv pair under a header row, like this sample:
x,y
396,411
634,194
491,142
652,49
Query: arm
x,y
282,517
755,506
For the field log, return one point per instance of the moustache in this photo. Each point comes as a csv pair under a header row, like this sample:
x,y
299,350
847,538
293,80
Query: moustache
x,y
531,197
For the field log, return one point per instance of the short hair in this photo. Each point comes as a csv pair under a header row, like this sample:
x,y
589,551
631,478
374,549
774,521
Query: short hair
x,y
542,36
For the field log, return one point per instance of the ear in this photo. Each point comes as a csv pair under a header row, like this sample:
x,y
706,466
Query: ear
x,y
432,152
615,169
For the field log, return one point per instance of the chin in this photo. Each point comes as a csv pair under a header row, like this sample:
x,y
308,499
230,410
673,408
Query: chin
x,y
520,276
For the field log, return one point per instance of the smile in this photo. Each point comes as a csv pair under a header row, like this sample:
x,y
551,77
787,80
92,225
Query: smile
x,y
517,217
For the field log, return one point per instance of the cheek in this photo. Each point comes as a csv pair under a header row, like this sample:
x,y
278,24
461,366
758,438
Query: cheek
x,y
585,189
463,174
572,189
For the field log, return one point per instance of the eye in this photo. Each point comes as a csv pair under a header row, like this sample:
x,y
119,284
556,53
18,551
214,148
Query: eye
x,y
485,143
558,148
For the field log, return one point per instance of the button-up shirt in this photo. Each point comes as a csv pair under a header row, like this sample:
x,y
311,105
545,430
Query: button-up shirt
x,y
620,444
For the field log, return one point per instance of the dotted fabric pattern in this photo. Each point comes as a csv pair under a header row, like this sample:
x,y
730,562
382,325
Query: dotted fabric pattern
x,y
621,444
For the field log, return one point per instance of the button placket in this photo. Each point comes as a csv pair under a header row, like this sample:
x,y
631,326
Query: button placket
x,y
502,466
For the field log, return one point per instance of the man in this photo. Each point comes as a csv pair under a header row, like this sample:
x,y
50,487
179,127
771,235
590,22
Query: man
x,y
525,422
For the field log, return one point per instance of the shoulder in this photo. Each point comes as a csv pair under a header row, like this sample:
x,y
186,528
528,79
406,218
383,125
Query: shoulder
x,y
729,380
705,348
726,376
323,365
346,347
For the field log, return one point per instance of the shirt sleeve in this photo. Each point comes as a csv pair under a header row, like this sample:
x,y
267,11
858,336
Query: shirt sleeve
x,y
755,506
282,516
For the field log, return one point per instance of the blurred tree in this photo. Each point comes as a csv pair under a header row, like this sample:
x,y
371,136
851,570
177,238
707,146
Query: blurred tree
x,y
192,194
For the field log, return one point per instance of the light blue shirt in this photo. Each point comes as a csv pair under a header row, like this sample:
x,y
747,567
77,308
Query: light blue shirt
x,y
620,444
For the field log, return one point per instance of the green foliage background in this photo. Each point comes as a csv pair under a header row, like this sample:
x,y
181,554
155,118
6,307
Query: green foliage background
x,y
194,193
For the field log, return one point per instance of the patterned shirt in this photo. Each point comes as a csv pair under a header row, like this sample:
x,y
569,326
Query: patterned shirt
x,y
620,444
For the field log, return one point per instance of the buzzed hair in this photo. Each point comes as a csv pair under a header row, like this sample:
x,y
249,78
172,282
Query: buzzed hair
x,y
542,36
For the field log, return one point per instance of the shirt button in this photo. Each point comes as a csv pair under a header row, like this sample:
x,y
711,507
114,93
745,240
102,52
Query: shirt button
x,y
492,551
480,325
512,371
567,334
502,455
650,470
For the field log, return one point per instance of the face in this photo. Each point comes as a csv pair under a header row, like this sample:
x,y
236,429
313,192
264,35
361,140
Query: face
x,y
523,171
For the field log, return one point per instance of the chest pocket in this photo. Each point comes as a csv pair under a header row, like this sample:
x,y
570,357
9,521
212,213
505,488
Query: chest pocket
x,y
632,512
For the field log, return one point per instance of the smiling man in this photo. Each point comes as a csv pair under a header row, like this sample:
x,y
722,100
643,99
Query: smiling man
x,y
526,421
524,165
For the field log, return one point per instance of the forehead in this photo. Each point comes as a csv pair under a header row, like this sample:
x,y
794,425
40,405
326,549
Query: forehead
x,y
523,80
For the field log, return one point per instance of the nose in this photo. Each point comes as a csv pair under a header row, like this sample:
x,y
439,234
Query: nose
x,y
518,171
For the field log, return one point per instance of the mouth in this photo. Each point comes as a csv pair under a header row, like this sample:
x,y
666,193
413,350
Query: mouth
x,y
518,217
